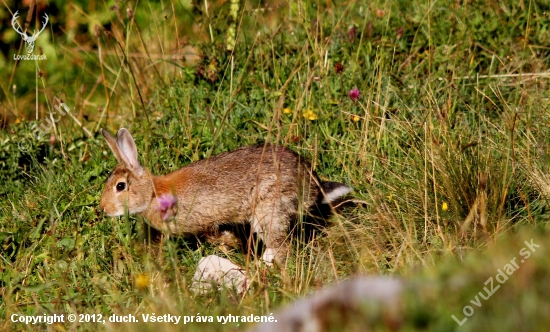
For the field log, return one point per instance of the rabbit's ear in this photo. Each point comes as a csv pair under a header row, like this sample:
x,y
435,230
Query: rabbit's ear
x,y
127,150
124,149
113,145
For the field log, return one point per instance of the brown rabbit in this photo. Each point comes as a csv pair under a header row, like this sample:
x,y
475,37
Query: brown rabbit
x,y
265,186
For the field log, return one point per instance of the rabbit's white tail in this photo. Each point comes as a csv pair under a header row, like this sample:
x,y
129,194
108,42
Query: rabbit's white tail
x,y
334,190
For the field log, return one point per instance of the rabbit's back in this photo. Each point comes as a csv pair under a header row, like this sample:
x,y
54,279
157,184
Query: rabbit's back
x,y
228,187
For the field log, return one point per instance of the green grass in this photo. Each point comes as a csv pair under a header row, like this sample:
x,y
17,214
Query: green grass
x,y
454,110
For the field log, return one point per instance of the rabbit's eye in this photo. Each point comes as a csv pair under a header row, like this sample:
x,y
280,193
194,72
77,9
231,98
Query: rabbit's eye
x,y
120,186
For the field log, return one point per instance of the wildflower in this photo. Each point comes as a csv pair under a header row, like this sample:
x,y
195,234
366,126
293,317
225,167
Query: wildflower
x,y
212,71
167,206
352,32
400,32
444,206
354,94
390,197
141,281
338,68
310,115
379,13
52,140
356,118
287,110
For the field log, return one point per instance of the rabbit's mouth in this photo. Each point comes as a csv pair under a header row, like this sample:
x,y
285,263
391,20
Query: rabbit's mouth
x,y
110,212
116,214
118,209
110,209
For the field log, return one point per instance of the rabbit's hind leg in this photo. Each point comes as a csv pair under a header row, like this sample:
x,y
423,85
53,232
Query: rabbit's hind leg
x,y
270,222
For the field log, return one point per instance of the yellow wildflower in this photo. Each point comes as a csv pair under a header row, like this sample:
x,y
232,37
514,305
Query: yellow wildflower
x,y
142,281
356,118
287,110
310,115
444,206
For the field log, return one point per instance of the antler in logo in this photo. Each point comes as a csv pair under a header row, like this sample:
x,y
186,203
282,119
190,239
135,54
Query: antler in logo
x,y
29,40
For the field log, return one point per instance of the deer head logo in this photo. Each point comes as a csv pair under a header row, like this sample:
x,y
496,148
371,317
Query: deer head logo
x,y
29,40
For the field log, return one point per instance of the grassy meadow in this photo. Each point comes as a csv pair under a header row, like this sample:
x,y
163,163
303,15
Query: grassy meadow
x,y
447,147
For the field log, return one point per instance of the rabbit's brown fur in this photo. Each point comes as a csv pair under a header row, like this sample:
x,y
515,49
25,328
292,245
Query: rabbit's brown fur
x,y
266,186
